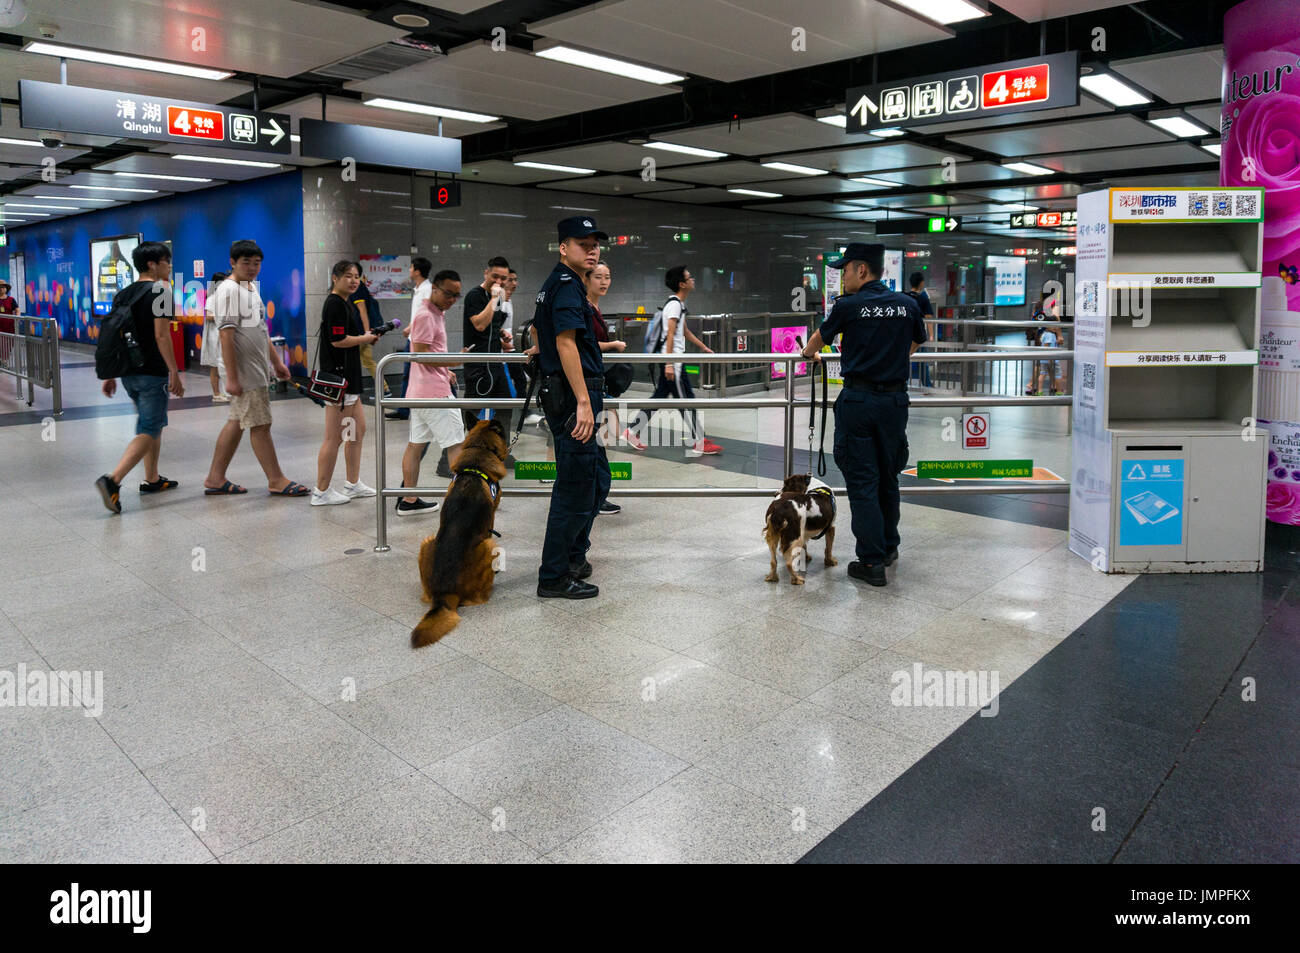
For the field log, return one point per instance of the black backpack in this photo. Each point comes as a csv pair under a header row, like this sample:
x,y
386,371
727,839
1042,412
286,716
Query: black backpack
x,y
117,351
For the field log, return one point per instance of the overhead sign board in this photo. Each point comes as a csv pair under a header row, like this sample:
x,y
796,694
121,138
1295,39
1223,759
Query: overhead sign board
x,y
444,195
1186,205
941,224
1067,219
1041,82
375,146
103,112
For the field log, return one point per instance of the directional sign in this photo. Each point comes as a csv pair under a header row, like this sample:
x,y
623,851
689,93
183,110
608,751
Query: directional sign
x,y
102,112
908,226
1041,82
376,146
445,195
1066,219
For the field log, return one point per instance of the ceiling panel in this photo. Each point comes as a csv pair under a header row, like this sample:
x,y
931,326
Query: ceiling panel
x,y
613,185
1102,160
456,6
731,40
988,208
1088,106
150,162
162,163
866,215
806,208
1065,136
284,161
872,158
813,185
34,155
918,200
1184,77
609,157
966,172
111,182
16,65
721,173
509,82
754,137
282,38
1208,115
500,172
357,113
1035,10
696,196
1186,180
1058,190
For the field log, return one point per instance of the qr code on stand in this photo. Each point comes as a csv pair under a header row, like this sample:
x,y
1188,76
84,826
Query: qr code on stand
x,y
1198,204
1088,379
1248,205
1222,203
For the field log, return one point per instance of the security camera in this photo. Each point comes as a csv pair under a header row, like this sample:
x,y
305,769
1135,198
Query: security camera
x,y
52,140
473,171
47,30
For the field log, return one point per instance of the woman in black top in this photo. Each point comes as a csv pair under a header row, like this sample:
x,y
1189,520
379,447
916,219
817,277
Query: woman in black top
x,y
340,341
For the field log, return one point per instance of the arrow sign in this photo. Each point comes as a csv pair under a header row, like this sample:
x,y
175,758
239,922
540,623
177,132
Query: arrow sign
x,y
952,224
275,131
861,106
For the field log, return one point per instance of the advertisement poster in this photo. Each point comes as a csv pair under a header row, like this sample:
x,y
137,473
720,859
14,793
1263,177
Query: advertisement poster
x,y
832,286
893,276
389,275
788,341
111,268
1010,286
1261,142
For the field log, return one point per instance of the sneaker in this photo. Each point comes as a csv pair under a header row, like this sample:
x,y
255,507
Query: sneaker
x,y
330,497
546,482
694,451
609,509
110,491
417,508
707,447
358,490
533,420
633,441
220,399
873,574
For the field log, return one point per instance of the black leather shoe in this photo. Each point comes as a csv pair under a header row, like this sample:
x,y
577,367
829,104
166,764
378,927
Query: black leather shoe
x,y
444,469
873,574
891,557
569,588
580,570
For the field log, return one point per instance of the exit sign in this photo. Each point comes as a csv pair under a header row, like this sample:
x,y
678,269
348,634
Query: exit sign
x,y
936,224
445,195
196,123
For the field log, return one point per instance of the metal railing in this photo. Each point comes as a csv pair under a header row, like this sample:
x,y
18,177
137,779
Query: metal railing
x,y
30,354
787,402
990,376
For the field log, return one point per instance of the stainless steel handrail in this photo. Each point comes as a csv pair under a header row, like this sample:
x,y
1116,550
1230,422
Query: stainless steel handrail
x,y
788,403
33,358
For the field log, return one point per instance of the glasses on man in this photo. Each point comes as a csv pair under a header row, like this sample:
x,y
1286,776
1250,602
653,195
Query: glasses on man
x,y
453,296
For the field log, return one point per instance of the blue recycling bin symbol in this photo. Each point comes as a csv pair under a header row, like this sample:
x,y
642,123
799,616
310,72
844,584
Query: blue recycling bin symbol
x,y
1151,502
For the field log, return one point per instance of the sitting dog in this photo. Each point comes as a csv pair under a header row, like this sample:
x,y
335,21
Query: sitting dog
x,y
804,510
457,566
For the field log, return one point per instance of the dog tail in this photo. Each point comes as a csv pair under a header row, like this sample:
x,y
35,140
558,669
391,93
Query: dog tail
x,y
441,618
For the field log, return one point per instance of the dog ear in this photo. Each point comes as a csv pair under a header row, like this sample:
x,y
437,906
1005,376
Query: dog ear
x,y
497,427
797,483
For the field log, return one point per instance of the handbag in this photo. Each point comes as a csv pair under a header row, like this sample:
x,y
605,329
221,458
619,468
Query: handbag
x,y
618,378
326,385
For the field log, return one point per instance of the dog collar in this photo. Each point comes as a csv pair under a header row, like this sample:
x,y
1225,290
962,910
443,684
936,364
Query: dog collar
x,y
492,485
825,491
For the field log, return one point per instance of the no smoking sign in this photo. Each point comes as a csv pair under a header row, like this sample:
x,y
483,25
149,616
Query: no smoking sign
x,y
975,431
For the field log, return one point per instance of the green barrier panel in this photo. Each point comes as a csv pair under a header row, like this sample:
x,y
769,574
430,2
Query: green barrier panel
x,y
545,470
975,469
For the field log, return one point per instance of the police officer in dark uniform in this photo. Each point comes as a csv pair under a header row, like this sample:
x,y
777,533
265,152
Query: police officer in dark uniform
x,y
881,330
571,392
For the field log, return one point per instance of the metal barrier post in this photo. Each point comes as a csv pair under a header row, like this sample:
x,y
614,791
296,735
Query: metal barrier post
x,y
381,460
56,373
789,415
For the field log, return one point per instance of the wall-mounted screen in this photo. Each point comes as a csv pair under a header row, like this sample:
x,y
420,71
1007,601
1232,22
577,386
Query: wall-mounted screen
x,y
111,269
1009,286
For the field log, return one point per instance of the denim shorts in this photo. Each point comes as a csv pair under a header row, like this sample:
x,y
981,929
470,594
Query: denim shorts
x,y
149,394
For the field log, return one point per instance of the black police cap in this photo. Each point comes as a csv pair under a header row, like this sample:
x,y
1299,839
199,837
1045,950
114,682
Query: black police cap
x,y
859,251
580,227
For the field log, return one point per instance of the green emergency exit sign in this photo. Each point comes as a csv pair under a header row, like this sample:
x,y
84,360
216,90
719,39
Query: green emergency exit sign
x,y
936,224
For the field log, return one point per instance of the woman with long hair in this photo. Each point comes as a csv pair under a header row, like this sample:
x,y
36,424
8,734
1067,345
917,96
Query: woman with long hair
x,y
598,281
339,348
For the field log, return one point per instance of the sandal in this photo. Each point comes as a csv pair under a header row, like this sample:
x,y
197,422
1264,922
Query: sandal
x,y
226,489
292,489
158,485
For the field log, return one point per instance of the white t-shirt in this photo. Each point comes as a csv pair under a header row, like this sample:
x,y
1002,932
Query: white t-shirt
x,y
240,307
676,309
423,292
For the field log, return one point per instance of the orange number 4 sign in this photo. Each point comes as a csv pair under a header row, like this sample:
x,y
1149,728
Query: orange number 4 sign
x,y
1013,87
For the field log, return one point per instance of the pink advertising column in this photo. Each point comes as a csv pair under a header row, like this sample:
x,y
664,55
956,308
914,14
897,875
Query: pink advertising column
x,y
1261,148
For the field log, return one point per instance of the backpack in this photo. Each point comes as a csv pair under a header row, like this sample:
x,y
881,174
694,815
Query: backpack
x,y
655,336
117,352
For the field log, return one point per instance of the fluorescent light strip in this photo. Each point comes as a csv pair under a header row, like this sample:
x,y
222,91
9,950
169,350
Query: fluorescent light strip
x,y
249,162
57,208
607,64
1028,168
886,133
443,111
1180,127
757,194
130,62
867,180
685,150
797,169
835,119
503,214
944,11
169,178
573,208
1112,90
111,188
547,167
69,198
1214,148
31,215
20,142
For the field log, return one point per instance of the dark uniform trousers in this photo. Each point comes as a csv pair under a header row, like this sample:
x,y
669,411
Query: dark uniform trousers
x,y
489,381
581,483
870,450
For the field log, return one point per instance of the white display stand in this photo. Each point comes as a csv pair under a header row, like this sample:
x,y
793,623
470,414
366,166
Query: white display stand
x,y
1169,469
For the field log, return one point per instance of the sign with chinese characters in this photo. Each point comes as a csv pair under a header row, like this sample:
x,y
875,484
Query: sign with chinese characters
x,y
1236,279
545,470
1180,358
1186,205
975,431
102,112
1066,219
1040,82
1151,498
975,469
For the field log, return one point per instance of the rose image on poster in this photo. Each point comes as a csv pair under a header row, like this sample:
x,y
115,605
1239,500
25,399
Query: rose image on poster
x,y
784,342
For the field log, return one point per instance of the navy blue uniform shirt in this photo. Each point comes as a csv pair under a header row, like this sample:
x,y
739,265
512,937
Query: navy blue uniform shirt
x,y
562,306
879,327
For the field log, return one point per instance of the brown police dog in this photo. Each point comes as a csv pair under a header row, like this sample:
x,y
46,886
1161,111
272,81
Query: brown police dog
x,y
456,565
803,511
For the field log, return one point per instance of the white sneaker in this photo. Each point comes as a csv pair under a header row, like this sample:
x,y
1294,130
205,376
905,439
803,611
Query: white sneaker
x,y
694,450
356,491
532,420
330,497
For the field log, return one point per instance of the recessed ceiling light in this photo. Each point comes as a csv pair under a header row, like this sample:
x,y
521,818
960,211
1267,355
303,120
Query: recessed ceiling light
x,y
1180,127
155,175
111,188
757,194
1213,148
33,214
867,180
69,198
684,150
547,167
1028,168
889,133
574,208
1112,90
20,142
443,111
835,119
412,21
504,214
249,162
944,11
57,208
295,138
1015,208
130,62
607,64
797,169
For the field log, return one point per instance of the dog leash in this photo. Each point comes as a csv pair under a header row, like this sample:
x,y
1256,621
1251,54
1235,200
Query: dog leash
x,y
812,420
534,381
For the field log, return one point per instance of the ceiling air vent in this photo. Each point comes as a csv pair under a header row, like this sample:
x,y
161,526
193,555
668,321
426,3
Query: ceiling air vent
x,y
381,60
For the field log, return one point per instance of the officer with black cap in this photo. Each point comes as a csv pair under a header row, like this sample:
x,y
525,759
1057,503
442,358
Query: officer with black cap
x,y
571,390
881,330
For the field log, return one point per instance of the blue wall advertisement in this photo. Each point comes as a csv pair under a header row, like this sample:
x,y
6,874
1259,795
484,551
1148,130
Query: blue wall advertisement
x,y
1151,502
60,275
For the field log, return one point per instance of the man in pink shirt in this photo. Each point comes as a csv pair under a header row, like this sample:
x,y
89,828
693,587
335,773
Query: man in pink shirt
x,y
428,424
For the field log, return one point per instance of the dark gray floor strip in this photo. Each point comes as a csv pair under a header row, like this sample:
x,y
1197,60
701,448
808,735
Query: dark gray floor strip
x,y
1139,713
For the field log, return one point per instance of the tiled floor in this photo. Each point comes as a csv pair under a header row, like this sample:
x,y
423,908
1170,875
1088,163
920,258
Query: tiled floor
x,y
262,703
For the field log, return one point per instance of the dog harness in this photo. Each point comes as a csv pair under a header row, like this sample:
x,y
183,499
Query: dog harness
x,y
494,488
826,491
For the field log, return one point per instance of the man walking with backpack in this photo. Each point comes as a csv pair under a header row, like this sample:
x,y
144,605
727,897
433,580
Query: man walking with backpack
x,y
135,344
670,334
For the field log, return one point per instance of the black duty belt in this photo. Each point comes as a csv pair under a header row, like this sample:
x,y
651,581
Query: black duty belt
x,y
858,382
595,383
